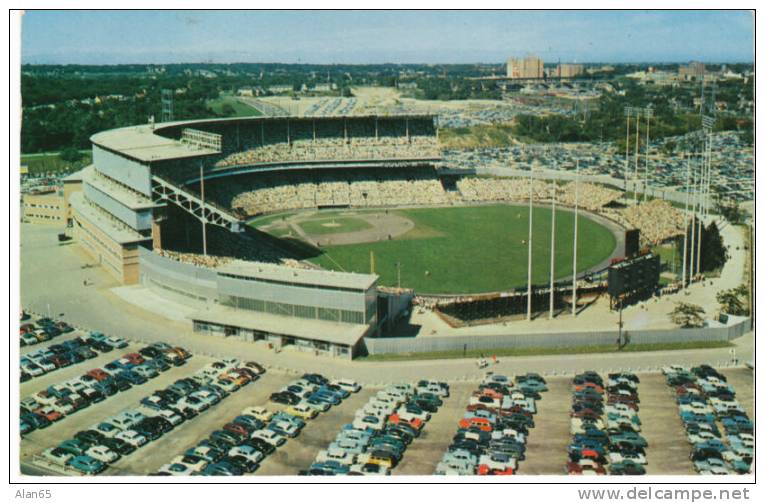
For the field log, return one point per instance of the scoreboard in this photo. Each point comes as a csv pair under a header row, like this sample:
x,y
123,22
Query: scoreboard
x,y
633,275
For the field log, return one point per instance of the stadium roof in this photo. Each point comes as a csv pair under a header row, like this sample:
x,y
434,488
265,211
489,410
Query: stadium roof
x,y
143,144
311,329
309,277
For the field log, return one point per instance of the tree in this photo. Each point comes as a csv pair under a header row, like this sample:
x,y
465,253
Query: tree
x,y
70,154
733,301
687,315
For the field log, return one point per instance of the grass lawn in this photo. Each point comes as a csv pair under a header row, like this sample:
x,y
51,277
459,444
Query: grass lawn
x,y
334,225
475,249
51,163
240,109
631,348
481,136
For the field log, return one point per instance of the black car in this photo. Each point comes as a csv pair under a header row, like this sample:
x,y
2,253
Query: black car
x,y
244,464
151,352
317,379
285,397
90,437
118,445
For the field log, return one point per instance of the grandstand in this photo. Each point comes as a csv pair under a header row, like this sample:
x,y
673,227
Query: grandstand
x,y
165,198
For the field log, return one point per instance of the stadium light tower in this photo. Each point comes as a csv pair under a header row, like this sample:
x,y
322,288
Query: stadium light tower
x,y
637,153
552,252
693,222
576,233
627,113
685,221
648,115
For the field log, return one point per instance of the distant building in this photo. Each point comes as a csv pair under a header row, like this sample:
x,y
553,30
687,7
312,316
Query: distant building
x,y
280,89
693,70
569,70
244,91
530,67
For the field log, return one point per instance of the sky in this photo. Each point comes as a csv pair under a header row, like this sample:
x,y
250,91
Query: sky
x,y
357,37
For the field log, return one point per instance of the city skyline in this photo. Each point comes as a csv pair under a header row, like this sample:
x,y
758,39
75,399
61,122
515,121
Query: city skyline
x,y
376,37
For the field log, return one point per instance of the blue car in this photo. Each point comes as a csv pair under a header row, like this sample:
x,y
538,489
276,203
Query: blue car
x,y
87,465
35,420
332,467
325,398
221,468
132,377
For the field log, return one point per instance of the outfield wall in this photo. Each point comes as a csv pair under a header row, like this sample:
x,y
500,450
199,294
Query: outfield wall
x,y
553,340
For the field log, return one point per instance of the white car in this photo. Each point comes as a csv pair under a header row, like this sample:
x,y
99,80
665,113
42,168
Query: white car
x,y
618,457
44,398
395,393
33,369
172,417
347,385
103,454
46,366
132,437
369,410
498,462
57,456
62,407
341,456
578,426
701,436
258,413
695,407
409,416
196,466
246,451
269,436
673,369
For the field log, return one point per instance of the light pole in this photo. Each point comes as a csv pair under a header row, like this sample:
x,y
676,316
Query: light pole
x,y
552,252
637,153
576,233
531,217
204,212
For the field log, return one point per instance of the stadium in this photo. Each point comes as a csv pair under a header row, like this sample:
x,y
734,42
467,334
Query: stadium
x,y
320,233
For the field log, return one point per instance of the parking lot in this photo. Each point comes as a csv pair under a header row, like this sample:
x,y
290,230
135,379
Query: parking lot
x,y
298,454
151,457
667,452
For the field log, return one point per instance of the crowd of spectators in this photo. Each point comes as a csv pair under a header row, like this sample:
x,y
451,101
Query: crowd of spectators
x,y
657,220
330,149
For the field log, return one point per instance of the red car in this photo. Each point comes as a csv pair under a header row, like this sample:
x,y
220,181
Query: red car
x,y
590,385
134,358
49,414
98,374
237,429
485,470
476,422
587,469
415,423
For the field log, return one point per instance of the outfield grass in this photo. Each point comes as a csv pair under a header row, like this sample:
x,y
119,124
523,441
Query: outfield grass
x,y
51,163
475,353
341,224
475,249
